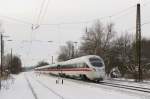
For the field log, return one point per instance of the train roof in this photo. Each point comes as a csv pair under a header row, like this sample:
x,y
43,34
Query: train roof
x,y
44,66
71,61
80,59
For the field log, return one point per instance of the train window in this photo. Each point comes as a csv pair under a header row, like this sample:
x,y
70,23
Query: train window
x,y
74,65
69,66
85,65
63,66
77,65
96,62
80,65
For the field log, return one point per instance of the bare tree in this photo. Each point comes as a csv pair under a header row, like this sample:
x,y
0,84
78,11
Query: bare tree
x,y
16,65
42,63
123,52
12,63
67,52
97,40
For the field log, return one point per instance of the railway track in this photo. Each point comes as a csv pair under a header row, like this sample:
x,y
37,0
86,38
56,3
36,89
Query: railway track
x,y
118,80
44,86
104,84
116,85
135,88
31,88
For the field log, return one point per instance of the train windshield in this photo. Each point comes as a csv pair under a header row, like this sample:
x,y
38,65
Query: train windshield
x,y
96,62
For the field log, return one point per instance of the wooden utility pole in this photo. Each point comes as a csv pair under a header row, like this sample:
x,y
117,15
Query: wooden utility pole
x,y
138,43
10,61
72,56
75,49
1,63
52,60
2,56
2,53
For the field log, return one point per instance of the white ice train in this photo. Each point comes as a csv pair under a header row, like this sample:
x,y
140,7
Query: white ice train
x,y
90,67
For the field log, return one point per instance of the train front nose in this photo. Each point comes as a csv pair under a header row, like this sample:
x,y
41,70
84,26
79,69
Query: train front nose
x,y
97,74
98,67
100,73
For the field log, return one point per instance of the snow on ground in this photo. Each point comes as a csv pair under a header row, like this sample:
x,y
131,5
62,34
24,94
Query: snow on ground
x,y
87,91
17,90
45,87
40,91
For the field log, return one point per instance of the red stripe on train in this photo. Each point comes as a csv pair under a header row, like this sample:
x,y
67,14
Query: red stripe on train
x,y
79,69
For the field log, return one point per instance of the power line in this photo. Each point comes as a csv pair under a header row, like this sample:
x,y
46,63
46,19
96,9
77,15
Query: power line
x,y
143,24
121,16
77,22
146,3
125,10
41,9
45,10
114,16
88,21
44,7
17,20
122,11
40,16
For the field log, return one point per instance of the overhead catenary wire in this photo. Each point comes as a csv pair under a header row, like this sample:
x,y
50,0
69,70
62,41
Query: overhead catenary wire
x,y
116,15
41,8
45,10
40,16
88,21
122,11
146,3
146,0
126,9
40,12
113,16
78,22
143,24
142,5
15,19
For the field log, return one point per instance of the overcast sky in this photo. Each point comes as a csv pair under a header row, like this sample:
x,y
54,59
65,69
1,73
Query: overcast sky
x,y
61,21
